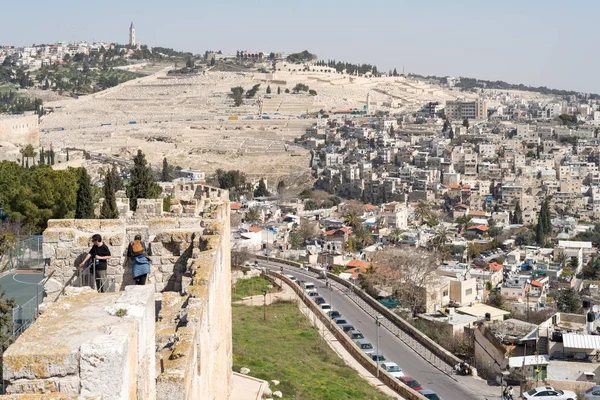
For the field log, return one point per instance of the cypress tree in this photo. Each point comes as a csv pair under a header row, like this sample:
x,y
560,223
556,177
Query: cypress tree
x,y
261,190
42,156
109,206
141,186
51,156
165,176
540,235
547,217
116,178
84,207
67,155
518,214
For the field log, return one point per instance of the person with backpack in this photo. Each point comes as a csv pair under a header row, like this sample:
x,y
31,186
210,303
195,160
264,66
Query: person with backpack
x,y
140,262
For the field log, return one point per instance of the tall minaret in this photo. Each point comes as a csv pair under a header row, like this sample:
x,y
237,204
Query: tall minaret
x,y
131,35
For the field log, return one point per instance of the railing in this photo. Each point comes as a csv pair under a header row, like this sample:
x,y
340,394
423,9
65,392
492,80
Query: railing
x,y
89,276
24,255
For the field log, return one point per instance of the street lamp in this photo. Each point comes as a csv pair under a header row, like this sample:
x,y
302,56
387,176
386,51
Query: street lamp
x,y
377,323
265,305
330,304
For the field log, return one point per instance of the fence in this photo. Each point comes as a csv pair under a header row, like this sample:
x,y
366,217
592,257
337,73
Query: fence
x,y
25,255
89,276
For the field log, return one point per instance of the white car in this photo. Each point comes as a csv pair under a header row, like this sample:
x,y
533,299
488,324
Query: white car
x,y
325,307
392,368
549,393
291,278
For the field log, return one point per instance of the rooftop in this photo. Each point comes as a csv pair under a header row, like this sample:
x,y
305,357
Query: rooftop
x,y
479,310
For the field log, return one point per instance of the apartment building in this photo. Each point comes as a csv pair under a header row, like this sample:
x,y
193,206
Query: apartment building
x,y
459,110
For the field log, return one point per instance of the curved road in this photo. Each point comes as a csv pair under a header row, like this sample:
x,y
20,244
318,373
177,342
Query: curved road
x,y
413,365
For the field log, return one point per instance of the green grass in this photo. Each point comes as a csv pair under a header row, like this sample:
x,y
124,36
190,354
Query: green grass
x,y
251,287
7,88
289,349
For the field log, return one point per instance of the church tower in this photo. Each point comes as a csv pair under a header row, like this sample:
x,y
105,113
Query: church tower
x,y
131,35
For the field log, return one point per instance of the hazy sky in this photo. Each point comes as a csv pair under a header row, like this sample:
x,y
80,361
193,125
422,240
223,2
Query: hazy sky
x,y
533,42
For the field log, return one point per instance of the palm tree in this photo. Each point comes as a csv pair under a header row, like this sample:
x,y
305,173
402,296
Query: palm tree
x,y
561,258
396,235
363,236
463,222
422,210
252,215
352,218
440,238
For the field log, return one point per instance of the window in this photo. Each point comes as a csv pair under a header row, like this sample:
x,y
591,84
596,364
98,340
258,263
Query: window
x,y
444,293
468,292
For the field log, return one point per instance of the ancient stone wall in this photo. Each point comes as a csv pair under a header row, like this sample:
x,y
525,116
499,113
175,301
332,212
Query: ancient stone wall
x,y
88,343
17,132
110,345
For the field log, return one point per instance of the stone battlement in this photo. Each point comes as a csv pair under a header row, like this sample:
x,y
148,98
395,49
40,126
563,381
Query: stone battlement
x,y
115,345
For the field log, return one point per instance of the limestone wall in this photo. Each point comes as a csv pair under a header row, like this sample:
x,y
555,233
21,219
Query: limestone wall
x,y
17,132
110,345
88,343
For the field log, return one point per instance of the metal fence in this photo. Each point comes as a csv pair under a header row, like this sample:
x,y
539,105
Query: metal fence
x,y
89,276
27,254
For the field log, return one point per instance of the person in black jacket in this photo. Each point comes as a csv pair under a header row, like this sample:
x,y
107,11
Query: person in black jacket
x,y
99,254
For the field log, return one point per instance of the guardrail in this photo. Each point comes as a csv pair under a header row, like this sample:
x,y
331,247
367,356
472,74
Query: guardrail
x,y
351,347
444,355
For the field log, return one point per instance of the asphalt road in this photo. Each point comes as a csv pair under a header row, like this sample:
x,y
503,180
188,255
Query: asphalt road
x,y
397,351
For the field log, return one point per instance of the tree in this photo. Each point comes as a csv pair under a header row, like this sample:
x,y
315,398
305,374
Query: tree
x,y
109,205
363,237
518,214
116,178
495,299
312,92
525,238
287,90
408,273
446,125
6,316
253,215
166,175
278,89
466,124
422,210
561,258
84,206
396,235
261,189
352,218
568,300
238,95
280,188
268,89
42,156
440,238
141,185
451,134
463,223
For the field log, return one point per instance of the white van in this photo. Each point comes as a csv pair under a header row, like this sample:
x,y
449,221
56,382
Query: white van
x,y
309,286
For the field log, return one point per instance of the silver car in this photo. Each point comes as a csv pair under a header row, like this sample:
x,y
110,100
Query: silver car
x,y
592,393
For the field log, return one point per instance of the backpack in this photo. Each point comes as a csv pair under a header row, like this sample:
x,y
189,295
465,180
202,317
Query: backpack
x,y
137,248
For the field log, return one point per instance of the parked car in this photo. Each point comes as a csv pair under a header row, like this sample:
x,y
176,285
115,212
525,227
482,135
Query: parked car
x,y
430,394
309,286
592,393
549,393
411,383
355,334
319,300
313,294
325,307
291,277
392,368
347,328
300,283
364,345
334,314
378,357
340,321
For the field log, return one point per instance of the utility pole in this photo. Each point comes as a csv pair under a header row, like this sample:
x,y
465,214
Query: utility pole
x,y
377,323
265,305
330,304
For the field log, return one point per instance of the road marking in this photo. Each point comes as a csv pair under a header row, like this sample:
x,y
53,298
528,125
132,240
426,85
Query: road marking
x,y
25,283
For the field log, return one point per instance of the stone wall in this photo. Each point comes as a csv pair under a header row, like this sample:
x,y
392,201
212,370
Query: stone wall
x,y
83,342
88,343
17,132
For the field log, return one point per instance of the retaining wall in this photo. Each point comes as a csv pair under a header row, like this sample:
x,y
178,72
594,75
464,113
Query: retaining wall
x,y
425,341
349,345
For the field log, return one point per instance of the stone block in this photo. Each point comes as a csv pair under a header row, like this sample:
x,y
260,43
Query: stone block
x,y
19,365
117,239
32,386
64,223
83,241
104,367
51,236
67,235
48,250
62,253
157,249
112,225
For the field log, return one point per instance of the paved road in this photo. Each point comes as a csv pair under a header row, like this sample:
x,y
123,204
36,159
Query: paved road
x,y
430,377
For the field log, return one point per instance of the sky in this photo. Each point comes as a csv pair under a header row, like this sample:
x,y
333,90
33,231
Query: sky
x,y
533,42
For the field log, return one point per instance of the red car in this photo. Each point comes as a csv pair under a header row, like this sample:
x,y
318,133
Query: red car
x,y
411,383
